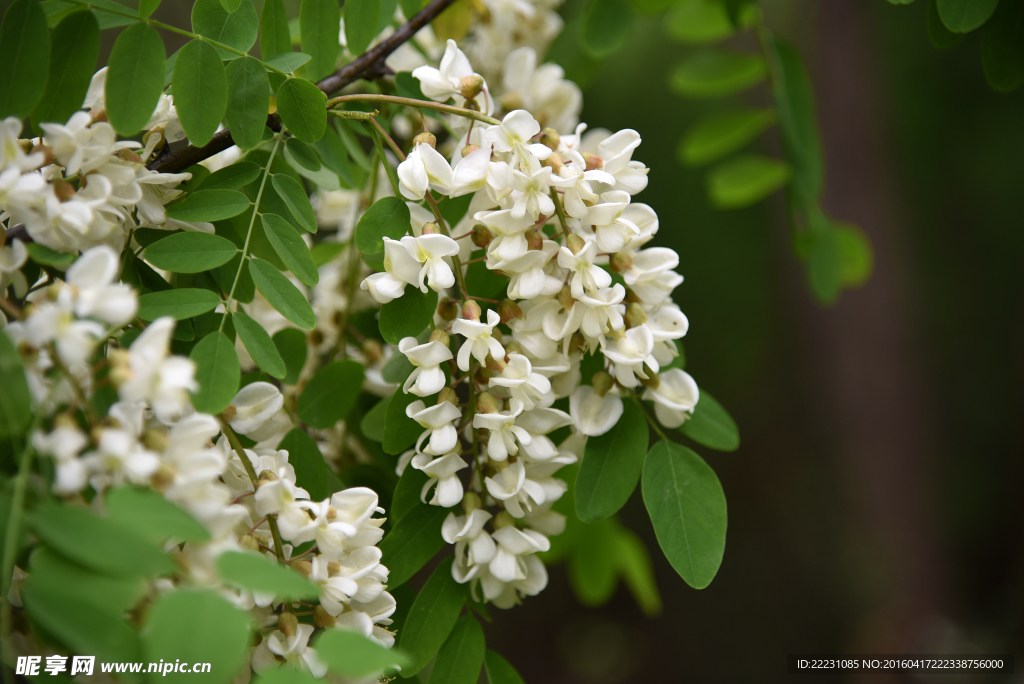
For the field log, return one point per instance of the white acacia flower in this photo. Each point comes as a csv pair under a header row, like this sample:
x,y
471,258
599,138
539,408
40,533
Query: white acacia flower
x,y
64,444
478,342
428,252
254,405
510,241
504,431
538,423
542,90
92,292
473,545
585,275
445,83
427,377
629,353
617,152
674,398
530,193
527,276
118,458
294,650
470,173
152,374
667,322
612,229
593,414
437,421
513,135
442,472
523,487
522,384
424,169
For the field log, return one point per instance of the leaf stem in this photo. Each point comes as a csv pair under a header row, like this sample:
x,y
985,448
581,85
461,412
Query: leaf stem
x,y
652,421
410,102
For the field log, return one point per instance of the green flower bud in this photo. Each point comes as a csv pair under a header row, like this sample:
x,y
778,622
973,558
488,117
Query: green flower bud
x,y
602,382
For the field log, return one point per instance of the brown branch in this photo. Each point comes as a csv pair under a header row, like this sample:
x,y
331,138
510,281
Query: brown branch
x,y
369,65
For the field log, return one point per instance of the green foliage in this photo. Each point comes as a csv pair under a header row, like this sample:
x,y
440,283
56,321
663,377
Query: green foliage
x,y
361,20
290,247
73,621
197,627
291,345
1002,47
940,36
712,426
354,656
74,49
256,573
745,180
180,304
295,198
41,254
57,576
274,36
209,205
372,423
387,217
303,154
611,466
431,618
412,542
606,25
152,516
217,372
232,177
190,252
687,507
248,97
311,471
408,315
797,123
705,21
237,29
714,73
259,345
499,671
964,16
281,294
319,21
462,655
25,55
400,431
15,401
720,134
330,394
200,90
407,493
135,78
302,107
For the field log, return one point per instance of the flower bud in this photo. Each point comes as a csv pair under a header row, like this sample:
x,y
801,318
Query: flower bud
x,y
565,298
620,262
431,228
511,101
471,501
496,365
482,376
333,567
303,567
512,347
602,382
593,161
441,336
155,440
128,156
97,116
631,297
549,137
332,512
635,315
288,624
555,162
575,243
267,476
448,394
497,334
62,189
120,371
228,413
508,310
425,138
322,618
481,236
472,85
469,149
534,239
577,343
503,519
47,153
372,351
448,309
249,543
471,310
488,403
162,478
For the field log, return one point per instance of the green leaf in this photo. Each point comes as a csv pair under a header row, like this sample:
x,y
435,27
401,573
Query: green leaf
x,y
400,431
303,109
407,493
323,178
303,154
190,252
15,400
499,671
57,576
234,29
200,90
711,425
209,206
320,22
716,73
462,655
259,345
336,157
25,56
687,506
248,101
940,36
230,5
74,621
255,572
745,180
274,36
74,49
720,134
606,25
290,247
410,7
432,617
594,564
856,254
635,565
706,21
41,254
197,627
353,656
408,315
361,20
152,516
98,544
135,78
147,7
238,175
281,294
180,304
311,470
285,675
794,104
372,424
398,368
611,466
1002,47
963,16
330,394
412,543
453,23
824,263
292,346
217,372
295,198
387,217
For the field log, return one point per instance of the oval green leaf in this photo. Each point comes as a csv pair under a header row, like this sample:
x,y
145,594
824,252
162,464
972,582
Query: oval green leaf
x,y
611,466
238,175
290,247
190,252
963,16
209,206
605,27
200,90
412,543
361,20
294,196
387,217
303,108
319,24
330,394
745,180
234,29
275,39
372,424
400,431
73,53
687,507
794,103
135,78
281,294
705,21
432,617
25,56
499,671
462,655
303,154
723,133
55,575
217,372
408,315
1002,48
716,73
292,346
311,470
152,516
15,400
77,624
288,62
179,304
259,345
256,573
353,656
248,101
